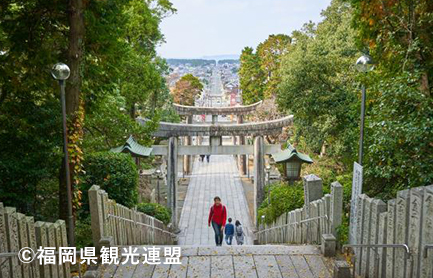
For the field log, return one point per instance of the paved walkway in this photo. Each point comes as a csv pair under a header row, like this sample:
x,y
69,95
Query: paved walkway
x,y
265,261
219,177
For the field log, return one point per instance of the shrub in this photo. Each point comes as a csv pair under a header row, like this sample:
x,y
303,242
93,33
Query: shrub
x,y
116,173
283,198
156,210
83,232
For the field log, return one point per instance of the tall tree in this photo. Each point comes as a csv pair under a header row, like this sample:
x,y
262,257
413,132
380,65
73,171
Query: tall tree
x,y
113,65
270,53
398,34
75,14
318,86
186,89
32,39
251,76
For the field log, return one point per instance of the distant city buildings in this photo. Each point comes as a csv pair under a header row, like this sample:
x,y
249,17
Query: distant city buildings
x,y
203,69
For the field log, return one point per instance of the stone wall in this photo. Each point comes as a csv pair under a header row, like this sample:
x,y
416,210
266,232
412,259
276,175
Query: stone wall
x,y
407,219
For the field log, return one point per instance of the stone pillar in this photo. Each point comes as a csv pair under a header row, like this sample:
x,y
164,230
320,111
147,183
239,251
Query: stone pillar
x,y
259,173
401,232
242,158
215,140
172,179
187,161
96,215
336,212
313,189
328,245
342,269
377,207
426,266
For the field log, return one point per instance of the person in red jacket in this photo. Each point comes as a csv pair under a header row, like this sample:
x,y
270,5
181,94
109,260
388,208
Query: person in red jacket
x,y
218,217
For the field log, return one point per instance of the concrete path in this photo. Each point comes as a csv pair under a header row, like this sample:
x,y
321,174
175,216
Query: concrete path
x,y
232,261
220,178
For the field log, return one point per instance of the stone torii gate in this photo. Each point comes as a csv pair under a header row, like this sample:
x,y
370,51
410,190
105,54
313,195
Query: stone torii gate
x,y
215,147
238,111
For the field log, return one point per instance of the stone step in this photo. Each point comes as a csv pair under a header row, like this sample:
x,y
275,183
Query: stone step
x,y
232,261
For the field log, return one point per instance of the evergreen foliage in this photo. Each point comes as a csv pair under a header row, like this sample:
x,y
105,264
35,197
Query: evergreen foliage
x,y
116,173
156,210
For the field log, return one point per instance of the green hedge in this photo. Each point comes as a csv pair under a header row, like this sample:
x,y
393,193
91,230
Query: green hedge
x,y
283,198
156,210
116,173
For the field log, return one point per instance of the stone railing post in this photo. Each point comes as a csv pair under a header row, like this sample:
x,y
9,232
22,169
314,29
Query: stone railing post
x,y
336,216
242,159
96,215
259,173
313,188
187,165
172,179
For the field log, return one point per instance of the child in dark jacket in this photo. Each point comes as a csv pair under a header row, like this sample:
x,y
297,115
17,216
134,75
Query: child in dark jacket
x,y
229,231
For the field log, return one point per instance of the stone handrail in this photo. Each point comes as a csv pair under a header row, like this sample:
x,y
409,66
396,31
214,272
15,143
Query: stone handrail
x,y
18,231
406,220
294,223
115,224
306,224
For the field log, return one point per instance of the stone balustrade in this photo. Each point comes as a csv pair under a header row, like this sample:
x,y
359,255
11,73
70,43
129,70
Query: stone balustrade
x,y
321,215
115,224
18,231
407,219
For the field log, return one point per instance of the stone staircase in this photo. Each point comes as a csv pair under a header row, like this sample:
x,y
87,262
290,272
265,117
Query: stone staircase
x,y
303,261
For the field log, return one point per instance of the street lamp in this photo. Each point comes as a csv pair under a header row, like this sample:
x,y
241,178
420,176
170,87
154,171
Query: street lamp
x,y
158,175
364,64
61,72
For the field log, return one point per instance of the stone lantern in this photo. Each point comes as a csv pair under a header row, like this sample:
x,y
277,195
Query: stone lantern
x,y
292,161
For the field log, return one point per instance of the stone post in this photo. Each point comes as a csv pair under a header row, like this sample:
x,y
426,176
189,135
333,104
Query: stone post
x,y
4,266
215,140
313,189
96,216
187,165
381,252
377,207
172,179
426,267
390,238
242,158
336,206
328,245
401,232
414,227
341,269
259,173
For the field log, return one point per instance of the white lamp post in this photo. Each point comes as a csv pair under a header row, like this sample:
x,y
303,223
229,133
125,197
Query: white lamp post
x,y
61,72
158,176
364,64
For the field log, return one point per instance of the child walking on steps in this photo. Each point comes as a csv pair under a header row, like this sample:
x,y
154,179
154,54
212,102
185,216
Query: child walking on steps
x,y
239,233
229,231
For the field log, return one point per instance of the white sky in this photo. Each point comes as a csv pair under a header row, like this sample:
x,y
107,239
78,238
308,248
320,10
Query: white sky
x,y
220,27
